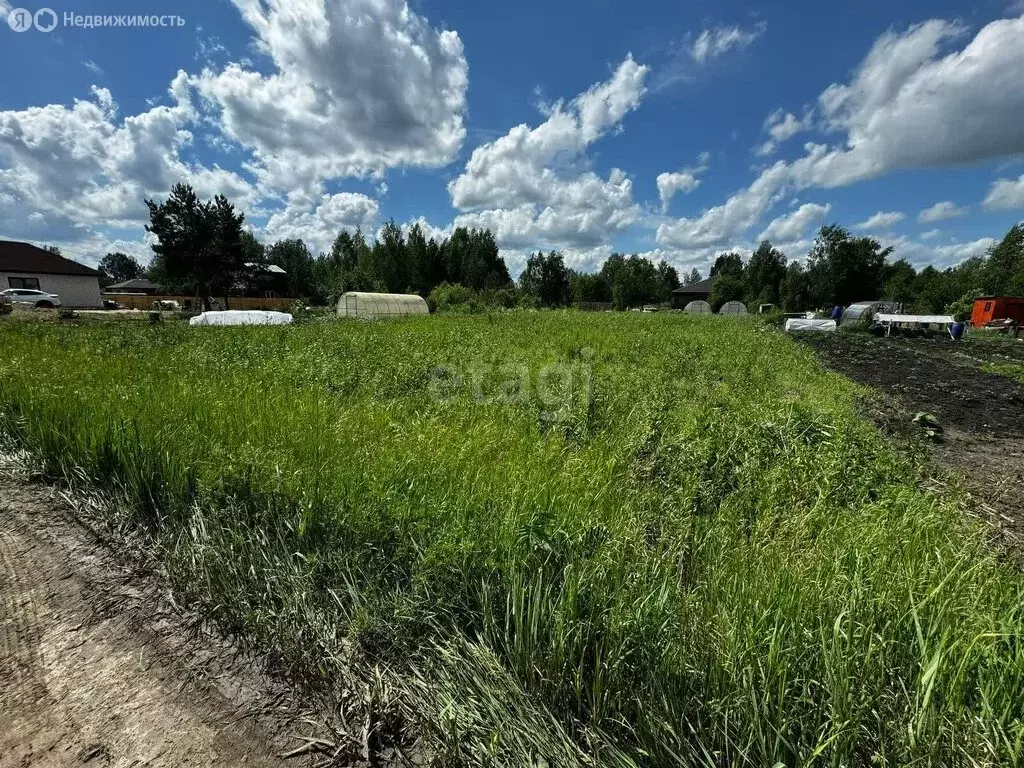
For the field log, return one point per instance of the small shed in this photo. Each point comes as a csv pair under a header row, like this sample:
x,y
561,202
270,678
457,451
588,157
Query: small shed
x,y
733,308
374,305
698,308
989,308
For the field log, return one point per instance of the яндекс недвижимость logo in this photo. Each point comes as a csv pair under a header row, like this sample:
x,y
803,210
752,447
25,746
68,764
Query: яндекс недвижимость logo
x,y
46,20
22,20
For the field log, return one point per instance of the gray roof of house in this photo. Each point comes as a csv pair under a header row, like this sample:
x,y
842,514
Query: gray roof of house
x,y
272,268
25,257
138,284
703,286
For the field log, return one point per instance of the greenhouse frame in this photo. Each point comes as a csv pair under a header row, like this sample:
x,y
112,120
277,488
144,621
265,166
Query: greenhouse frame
x,y
733,308
865,311
698,308
374,305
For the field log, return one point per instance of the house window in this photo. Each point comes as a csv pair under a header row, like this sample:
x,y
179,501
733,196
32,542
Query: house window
x,y
30,283
270,294
988,306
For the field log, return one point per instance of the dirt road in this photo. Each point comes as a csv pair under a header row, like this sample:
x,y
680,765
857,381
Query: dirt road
x,y
95,668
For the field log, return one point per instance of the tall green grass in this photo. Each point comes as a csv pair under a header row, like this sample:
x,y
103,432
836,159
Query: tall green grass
x,y
564,539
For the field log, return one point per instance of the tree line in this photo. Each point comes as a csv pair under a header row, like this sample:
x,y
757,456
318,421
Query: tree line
x,y
204,250
842,269
622,282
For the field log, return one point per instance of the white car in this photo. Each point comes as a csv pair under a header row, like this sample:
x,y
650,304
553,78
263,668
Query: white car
x,y
38,299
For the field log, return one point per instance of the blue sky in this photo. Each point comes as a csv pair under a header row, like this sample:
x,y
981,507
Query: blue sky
x,y
588,127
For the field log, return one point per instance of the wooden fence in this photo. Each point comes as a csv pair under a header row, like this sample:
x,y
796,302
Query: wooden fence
x,y
142,301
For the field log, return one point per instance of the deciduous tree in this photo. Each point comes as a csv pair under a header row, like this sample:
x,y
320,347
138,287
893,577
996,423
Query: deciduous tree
x,y
119,267
728,264
1004,269
728,287
547,278
845,269
764,274
795,291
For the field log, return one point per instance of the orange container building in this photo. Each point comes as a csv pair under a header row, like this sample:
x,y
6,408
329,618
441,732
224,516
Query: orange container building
x,y
989,308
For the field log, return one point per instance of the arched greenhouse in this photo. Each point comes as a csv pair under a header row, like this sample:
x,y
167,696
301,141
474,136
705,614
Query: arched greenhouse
x,y
733,308
865,311
373,305
698,308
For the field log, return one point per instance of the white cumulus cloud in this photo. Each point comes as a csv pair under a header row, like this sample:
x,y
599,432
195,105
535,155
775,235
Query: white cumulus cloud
x,y
717,41
880,221
922,254
71,169
781,126
677,181
1005,194
726,223
941,212
953,254
339,89
792,227
531,186
357,87
319,224
685,180
909,105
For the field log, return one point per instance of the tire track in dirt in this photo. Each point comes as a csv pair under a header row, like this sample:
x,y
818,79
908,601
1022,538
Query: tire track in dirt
x,y
19,622
83,681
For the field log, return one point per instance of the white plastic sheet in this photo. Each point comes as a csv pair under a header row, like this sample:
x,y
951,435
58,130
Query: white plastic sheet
x,y
799,324
242,317
883,317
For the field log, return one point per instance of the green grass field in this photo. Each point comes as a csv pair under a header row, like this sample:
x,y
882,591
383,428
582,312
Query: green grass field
x,y
594,539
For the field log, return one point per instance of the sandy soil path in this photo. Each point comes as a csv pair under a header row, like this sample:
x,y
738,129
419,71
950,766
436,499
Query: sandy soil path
x,y
93,669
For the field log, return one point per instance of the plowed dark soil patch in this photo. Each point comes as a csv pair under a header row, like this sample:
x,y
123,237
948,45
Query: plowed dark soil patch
x,y
981,413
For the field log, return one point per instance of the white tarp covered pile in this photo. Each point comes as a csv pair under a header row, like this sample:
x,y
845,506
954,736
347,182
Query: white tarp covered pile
x,y
801,324
242,317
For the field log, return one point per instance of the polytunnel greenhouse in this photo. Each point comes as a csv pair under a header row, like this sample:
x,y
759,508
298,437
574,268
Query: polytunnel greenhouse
x,y
371,305
698,308
865,311
733,308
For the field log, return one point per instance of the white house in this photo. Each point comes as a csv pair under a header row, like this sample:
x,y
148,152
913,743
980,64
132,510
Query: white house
x,y
23,265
